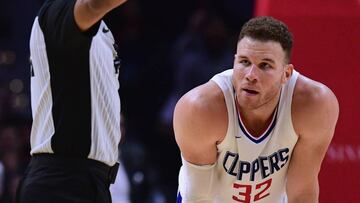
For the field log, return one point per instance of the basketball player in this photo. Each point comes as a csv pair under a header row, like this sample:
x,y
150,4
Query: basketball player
x,y
257,132
75,104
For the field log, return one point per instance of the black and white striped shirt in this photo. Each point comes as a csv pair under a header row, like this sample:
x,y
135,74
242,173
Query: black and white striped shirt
x,y
74,86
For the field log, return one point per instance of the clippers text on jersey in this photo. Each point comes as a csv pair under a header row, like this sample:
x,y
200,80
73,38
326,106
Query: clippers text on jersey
x,y
263,165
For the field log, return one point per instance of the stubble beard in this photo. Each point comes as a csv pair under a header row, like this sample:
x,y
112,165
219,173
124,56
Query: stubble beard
x,y
262,101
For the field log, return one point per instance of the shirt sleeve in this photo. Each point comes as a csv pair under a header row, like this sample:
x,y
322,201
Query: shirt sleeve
x,y
57,21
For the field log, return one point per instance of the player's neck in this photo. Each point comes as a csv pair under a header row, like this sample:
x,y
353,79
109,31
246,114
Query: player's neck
x,y
257,120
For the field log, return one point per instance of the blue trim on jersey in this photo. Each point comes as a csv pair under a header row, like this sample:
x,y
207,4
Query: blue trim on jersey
x,y
179,198
269,130
263,137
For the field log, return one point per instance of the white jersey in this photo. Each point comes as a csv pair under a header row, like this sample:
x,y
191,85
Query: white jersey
x,y
253,169
74,86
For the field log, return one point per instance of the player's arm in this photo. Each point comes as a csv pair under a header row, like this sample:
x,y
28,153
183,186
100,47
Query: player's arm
x,y
200,122
88,12
315,112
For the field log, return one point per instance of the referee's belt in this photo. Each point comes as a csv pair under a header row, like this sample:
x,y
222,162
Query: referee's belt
x,y
107,172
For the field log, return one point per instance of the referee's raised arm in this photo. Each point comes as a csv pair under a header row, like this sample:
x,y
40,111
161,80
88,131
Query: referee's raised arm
x,y
88,12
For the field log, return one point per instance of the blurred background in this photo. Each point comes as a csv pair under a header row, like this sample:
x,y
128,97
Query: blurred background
x,y
169,47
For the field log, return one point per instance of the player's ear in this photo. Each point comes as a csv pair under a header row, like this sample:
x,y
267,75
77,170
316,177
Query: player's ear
x,y
288,70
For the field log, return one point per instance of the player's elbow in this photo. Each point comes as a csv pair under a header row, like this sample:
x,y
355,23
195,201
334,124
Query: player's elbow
x,y
308,194
309,197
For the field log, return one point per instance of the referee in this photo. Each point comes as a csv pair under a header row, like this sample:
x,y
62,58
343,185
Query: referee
x,y
75,104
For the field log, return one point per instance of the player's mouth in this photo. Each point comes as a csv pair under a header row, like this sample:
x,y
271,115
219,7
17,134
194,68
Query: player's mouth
x,y
250,91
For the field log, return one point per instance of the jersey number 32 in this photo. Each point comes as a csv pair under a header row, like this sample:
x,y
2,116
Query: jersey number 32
x,y
245,194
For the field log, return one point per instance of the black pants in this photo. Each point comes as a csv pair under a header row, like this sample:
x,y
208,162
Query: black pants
x,y
54,179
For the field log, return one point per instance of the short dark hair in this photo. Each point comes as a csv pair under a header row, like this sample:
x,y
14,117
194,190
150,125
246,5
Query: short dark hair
x,y
266,28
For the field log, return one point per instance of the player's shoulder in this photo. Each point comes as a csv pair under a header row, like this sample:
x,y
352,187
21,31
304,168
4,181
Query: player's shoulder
x,y
310,93
203,107
204,99
312,101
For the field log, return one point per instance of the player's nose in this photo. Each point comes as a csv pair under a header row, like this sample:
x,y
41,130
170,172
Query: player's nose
x,y
252,75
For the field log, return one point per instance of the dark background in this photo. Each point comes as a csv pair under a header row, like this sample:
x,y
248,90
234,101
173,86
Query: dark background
x,y
169,47
166,47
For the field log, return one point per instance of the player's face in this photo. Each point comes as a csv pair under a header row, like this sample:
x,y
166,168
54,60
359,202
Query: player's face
x,y
259,72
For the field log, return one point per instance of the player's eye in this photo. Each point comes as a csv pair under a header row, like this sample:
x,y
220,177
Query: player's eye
x,y
245,62
264,66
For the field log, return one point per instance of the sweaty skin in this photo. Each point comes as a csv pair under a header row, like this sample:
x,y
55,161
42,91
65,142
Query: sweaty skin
x,y
201,120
